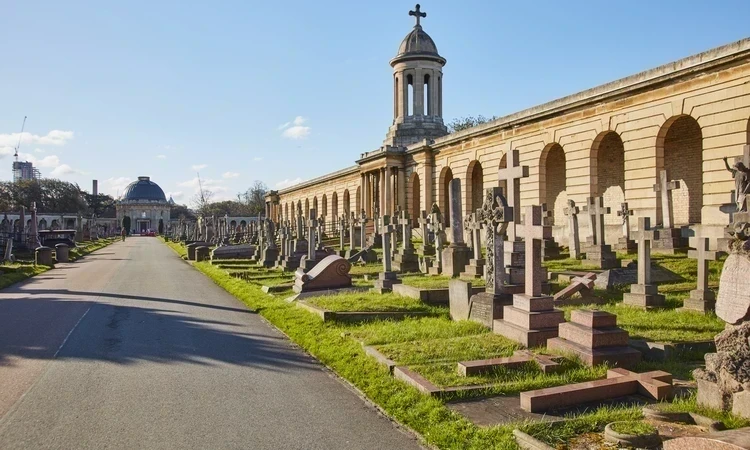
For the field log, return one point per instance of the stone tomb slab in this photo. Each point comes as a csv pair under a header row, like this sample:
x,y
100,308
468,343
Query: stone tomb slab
x,y
656,385
358,316
438,296
721,440
520,358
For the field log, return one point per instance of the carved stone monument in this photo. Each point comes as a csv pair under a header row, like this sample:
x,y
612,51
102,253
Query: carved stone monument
x,y
644,294
457,254
475,268
404,259
387,278
332,272
598,253
574,242
624,243
702,299
670,238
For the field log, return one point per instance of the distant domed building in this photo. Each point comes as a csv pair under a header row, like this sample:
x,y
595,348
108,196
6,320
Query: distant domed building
x,y
146,205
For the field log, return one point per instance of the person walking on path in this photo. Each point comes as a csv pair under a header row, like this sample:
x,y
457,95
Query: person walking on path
x,y
123,232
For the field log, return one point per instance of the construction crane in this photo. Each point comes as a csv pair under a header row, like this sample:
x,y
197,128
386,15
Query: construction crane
x,y
19,138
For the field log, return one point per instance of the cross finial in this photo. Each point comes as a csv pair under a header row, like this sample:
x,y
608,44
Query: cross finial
x,y
417,13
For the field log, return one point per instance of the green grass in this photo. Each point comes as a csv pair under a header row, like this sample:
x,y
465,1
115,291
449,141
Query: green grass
x,y
180,249
338,346
436,282
633,427
373,302
454,349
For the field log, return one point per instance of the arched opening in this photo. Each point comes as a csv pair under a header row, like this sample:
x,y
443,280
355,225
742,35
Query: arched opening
x,y
395,96
243,224
552,182
347,206
427,90
315,206
474,186
298,212
306,211
608,168
410,98
17,225
414,201
43,224
233,224
286,211
357,203
502,183
55,225
324,206
446,175
335,207
679,151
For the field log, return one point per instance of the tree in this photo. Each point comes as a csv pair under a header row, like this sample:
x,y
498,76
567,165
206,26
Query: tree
x,y
181,212
462,123
126,224
102,205
255,198
201,201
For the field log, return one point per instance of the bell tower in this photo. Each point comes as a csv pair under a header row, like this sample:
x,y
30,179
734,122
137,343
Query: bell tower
x,y
417,89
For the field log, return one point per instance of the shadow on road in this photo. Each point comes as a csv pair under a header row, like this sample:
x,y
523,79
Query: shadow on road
x,y
129,335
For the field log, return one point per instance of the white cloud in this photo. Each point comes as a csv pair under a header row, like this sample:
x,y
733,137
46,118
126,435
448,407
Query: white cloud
x,y
63,169
286,183
206,183
161,156
197,167
228,175
177,195
50,161
116,185
8,142
295,129
39,150
258,158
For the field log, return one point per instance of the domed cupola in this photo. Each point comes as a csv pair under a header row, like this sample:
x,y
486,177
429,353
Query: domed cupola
x,y
417,88
143,190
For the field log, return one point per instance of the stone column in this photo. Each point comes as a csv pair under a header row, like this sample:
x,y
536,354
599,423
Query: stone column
x,y
405,93
388,192
401,177
418,93
434,93
382,195
362,189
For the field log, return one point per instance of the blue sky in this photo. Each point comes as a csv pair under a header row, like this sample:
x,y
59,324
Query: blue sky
x,y
114,90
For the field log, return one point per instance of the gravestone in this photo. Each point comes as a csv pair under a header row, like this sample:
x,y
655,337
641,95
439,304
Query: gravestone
x,y
487,307
574,242
724,384
387,278
43,257
513,247
238,251
270,251
457,254
475,268
437,226
598,253
459,295
202,253
405,260
593,336
624,243
702,299
550,247
354,237
343,226
644,294
427,249
584,286
670,238
332,272
532,319
313,235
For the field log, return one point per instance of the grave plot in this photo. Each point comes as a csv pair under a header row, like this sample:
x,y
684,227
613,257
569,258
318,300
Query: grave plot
x,y
368,306
433,289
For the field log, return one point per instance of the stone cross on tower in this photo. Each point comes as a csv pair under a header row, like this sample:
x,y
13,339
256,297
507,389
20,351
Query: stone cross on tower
x,y
625,213
512,175
702,298
534,233
663,188
574,242
418,14
596,211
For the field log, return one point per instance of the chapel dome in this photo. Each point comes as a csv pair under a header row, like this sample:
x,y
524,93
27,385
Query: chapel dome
x,y
417,41
144,190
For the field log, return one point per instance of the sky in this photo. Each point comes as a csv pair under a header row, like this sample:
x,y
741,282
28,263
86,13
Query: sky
x,y
240,91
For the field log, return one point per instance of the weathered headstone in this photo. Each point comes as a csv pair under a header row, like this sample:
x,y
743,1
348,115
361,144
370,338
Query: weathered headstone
x,y
270,251
644,294
583,285
512,176
532,319
670,238
550,247
594,337
405,260
435,267
624,243
43,256
457,254
475,268
702,299
598,254
427,248
574,243
387,278
332,272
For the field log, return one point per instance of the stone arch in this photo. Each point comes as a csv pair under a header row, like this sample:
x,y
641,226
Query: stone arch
x,y
347,204
286,211
679,151
43,224
17,225
243,224
552,182
474,186
335,206
324,206
502,183
315,205
233,224
55,225
306,211
446,175
608,170
415,200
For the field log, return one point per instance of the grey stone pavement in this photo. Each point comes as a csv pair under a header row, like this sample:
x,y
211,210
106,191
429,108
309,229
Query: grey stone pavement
x,y
131,347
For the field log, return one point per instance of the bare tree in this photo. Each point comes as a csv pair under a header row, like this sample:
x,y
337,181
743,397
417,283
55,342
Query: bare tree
x,y
255,198
201,201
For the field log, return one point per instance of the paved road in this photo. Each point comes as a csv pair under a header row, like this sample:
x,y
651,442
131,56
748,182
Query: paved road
x,y
132,348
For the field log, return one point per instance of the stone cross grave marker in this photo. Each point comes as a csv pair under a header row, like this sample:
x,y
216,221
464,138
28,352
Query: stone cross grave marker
x,y
387,278
363,230
512,175
644,294
342,231
583,284
424,222
475,225
702,298
663,188
438,229
312,229
596,210
352,226
625,213
405,223
574,242
534,233
495,215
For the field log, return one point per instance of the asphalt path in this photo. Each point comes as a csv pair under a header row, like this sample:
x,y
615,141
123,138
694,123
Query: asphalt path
x,y
131,347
